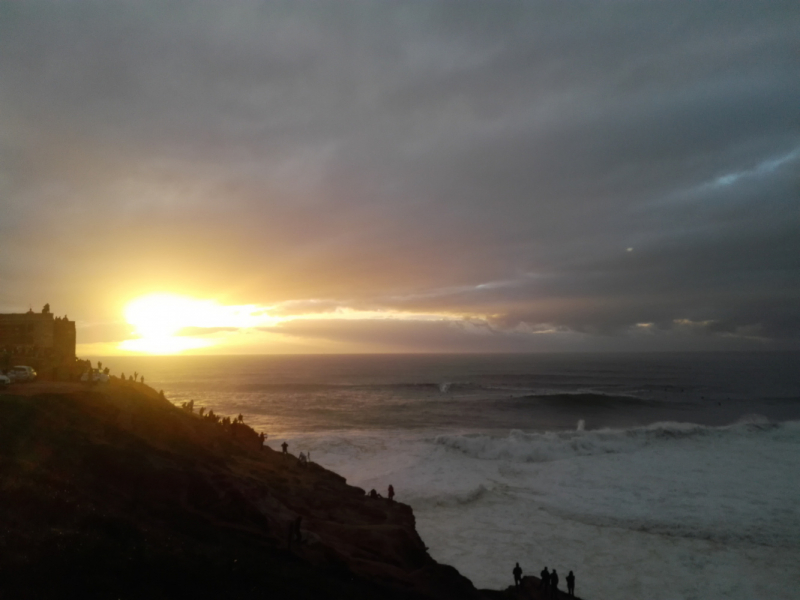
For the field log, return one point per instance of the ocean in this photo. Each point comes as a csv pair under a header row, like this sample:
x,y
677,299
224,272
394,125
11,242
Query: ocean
x,y
654,476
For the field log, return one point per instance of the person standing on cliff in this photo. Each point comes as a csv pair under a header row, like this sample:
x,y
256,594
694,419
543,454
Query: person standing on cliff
x,y
261,438
391,493
285,447
544,584
554,583
517,575
571,584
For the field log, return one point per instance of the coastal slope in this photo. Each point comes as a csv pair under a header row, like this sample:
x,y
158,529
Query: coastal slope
x,y
114,492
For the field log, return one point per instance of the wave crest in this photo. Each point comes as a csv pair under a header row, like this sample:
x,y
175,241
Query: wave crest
x,y
519,446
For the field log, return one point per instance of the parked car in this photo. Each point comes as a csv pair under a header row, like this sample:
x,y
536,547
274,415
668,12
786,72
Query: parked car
x,y
21,373
97,376
4,381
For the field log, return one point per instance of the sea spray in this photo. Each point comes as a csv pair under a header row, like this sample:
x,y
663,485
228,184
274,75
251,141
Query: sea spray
x,y
718,497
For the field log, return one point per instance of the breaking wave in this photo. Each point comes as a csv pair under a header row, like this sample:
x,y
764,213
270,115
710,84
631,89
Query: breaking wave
x,y
524,447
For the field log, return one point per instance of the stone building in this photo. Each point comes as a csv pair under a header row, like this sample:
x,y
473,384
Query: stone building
x,y
40,340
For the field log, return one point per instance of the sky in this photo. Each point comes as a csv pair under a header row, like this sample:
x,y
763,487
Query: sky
x,y
430,176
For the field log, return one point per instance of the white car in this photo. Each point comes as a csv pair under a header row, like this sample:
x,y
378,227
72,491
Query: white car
x,y
97,376
21,373
4,381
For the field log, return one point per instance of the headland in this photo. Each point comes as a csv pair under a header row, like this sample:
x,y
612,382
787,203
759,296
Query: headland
x,y
109,490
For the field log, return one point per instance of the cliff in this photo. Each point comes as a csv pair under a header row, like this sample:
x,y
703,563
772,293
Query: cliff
x,y
116,493
113,492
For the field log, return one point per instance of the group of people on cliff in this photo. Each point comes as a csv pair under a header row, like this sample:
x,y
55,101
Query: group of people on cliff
x,y
389,493
548,581
234,425
132,378
303,458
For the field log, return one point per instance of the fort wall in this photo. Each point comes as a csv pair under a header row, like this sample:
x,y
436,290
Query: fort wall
x,y
40,340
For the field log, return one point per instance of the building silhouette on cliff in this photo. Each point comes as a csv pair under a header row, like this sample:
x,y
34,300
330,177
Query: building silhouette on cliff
x,y
40,340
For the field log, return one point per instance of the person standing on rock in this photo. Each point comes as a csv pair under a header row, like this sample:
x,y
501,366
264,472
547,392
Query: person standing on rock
x,y
554,583
544,584
571,584
391,493
261,438
517,575
285,447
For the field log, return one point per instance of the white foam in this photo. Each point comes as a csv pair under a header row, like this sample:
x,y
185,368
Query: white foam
x,y
667,511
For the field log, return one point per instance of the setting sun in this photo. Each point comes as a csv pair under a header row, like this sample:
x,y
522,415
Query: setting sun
x,y
165,323
158,320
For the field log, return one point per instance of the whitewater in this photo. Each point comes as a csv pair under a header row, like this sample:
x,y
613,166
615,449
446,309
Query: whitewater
x,y
662,477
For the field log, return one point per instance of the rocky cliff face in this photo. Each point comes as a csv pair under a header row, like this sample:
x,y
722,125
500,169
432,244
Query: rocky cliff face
x,y
119,494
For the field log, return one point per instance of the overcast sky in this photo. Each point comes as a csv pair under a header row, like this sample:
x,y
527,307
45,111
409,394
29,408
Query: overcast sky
x,y
482,176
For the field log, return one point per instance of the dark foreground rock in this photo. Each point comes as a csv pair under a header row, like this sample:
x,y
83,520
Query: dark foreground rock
x,y
529,589
119,494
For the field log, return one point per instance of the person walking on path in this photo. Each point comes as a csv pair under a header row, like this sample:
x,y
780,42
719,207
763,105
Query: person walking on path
x,y
285,447
517,575
554,583
544,584
571,584
390,494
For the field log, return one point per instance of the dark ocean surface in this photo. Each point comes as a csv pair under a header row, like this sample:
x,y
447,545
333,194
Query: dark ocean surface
x,y
537,392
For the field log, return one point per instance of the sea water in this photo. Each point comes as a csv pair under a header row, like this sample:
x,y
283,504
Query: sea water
x,y
658,476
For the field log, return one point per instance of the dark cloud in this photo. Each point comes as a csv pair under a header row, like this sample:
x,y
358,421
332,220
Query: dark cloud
x,y
408,336
487,161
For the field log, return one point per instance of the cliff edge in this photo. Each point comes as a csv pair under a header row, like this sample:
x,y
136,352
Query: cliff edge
x,y
116,493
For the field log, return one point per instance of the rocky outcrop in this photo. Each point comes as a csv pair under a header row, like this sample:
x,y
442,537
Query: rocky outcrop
x,y
119,494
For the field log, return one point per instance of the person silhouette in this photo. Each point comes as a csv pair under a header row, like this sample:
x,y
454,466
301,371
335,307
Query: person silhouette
x,y
285,447
571,584
554,583
517,575
390,494
544,584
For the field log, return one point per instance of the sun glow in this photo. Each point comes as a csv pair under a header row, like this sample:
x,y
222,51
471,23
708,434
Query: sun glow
x,y
170,324
158,320
164,344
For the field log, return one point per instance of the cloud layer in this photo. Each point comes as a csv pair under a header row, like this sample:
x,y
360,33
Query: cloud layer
x,y
620,173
